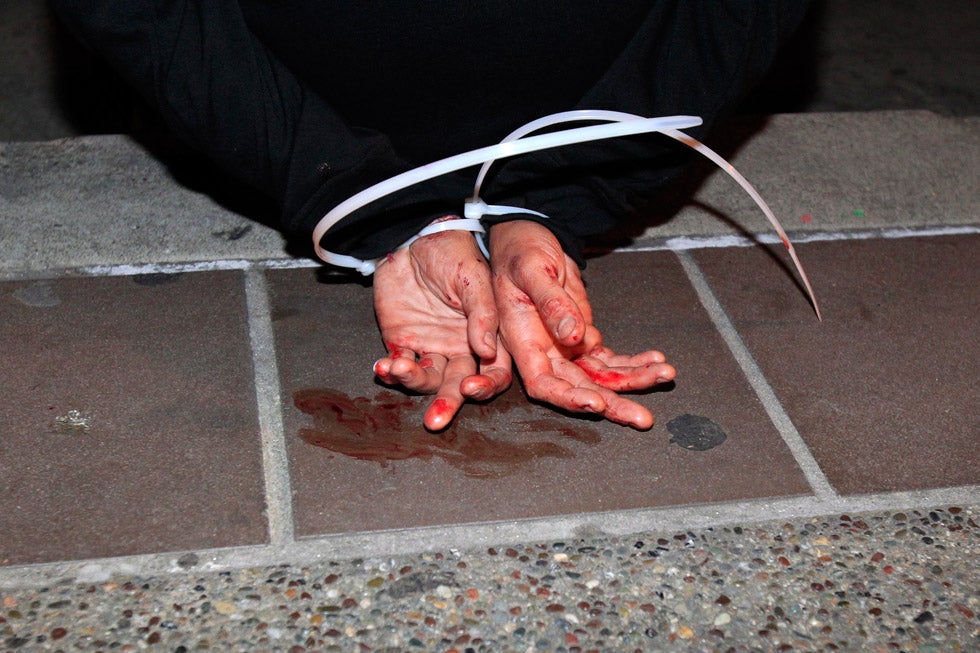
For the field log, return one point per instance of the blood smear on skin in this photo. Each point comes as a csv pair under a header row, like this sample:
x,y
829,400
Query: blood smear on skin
x,y
607,378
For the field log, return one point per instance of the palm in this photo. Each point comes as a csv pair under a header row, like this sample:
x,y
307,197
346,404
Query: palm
x,y
546,325
416,317
434,306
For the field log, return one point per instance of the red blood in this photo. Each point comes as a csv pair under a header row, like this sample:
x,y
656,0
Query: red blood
x,y
443,409
606,377
389,428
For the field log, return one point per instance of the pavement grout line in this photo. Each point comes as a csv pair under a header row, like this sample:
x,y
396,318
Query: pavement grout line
x,y
753,373
284,547
473,536
683,243
275,462
136,269
671,243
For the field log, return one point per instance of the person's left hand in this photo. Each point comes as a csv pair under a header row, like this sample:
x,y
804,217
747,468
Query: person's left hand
x,y
434,304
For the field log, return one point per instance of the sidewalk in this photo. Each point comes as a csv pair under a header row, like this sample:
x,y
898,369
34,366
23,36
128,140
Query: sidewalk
x,y
189,404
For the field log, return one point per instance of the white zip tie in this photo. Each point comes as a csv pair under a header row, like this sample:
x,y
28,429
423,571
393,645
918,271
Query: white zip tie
x,y
457,224
518,142
621,127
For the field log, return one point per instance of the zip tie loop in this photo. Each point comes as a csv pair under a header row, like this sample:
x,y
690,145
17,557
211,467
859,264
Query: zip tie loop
x,y
458,224
368,268
623,124
518,142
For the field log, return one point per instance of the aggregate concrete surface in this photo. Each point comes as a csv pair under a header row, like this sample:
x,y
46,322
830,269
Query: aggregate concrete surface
x,y
882,581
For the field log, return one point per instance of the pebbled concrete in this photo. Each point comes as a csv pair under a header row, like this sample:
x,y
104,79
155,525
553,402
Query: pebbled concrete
x,y
896,580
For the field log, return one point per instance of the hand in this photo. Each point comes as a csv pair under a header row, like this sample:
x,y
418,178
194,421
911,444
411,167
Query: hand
x,y
434,304
546,325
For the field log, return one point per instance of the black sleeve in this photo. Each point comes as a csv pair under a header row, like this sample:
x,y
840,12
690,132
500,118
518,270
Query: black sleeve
x,y
226,95
690,57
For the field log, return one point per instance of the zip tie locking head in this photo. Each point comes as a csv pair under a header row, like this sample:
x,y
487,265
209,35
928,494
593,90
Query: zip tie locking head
x,y
474,208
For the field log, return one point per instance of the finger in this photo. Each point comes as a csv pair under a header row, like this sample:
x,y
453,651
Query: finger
x,y
423,376
397,355
612,359
495,377
575,287
449,399
592,339
617,409
476,297
559,312
625,378
624,411
486,385
560,393
614,407
382,369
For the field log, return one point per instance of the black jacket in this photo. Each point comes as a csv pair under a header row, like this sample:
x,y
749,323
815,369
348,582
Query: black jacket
x,y
312,101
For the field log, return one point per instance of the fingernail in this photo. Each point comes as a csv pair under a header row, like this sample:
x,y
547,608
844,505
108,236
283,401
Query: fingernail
x,y
481,394
566,327
490,340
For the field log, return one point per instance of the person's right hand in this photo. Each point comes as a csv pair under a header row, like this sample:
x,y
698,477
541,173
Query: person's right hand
x,y
546,325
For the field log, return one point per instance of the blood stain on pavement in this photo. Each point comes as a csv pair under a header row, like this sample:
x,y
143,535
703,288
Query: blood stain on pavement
x,y
481,441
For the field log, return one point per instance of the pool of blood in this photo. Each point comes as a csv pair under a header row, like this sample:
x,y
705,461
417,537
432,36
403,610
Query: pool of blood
x,y
480,442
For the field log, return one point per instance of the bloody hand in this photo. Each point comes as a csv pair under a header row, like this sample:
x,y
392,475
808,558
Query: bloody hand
x,y
434,304
546,325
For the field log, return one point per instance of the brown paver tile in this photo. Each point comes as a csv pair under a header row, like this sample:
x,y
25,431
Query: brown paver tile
x,y
885,390
509,459
163,452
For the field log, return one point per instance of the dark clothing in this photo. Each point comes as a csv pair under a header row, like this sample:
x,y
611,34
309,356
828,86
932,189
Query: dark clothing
x,y
311,102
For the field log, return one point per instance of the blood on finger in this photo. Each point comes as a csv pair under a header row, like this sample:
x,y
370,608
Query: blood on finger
x,y
441,406
604,377
441,412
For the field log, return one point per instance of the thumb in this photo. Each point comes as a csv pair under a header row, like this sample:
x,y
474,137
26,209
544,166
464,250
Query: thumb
x,y
476,297
559,312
